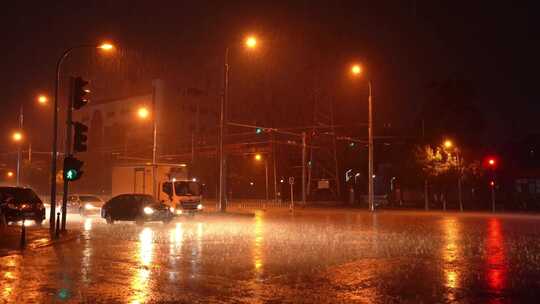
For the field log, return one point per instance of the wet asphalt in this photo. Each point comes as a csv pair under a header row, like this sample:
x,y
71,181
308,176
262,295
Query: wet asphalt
x,y
311,256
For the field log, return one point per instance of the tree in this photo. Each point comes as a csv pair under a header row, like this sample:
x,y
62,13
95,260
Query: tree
x,y
440,167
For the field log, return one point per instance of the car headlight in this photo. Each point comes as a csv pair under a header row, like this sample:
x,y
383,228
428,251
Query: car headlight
x,y
178,211
171,209
199,207
88,206
148,210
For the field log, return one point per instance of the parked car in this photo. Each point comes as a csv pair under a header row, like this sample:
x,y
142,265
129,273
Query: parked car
x,y
135,207
84,204
18,203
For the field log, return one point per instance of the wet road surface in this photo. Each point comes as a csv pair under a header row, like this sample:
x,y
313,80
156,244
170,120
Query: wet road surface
x,y
313,256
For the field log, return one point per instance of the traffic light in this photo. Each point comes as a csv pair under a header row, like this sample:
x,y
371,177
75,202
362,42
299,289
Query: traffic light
x,y
79,93
80,137
258,130
72,168
491,162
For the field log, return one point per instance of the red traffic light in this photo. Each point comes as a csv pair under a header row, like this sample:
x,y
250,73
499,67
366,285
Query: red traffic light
x,y
491,162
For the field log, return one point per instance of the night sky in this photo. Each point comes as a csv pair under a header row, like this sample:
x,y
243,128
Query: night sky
x,y
405,46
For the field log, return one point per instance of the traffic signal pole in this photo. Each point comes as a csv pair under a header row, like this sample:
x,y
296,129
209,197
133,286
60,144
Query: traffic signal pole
x,y
67,148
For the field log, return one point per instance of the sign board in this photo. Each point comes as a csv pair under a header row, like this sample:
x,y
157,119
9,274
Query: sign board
x,y
291,180
323,184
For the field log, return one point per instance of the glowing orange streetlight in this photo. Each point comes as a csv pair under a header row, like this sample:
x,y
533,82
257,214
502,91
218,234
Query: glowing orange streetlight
x,y
251,42
42,99
143,113
10,174
356,69
106,46
258,157
17,136
448,144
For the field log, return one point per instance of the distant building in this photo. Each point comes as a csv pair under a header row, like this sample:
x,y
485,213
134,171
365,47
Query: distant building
x,y
186,133
185,117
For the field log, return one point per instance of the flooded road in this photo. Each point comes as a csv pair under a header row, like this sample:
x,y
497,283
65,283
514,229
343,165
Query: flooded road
x,y
313,256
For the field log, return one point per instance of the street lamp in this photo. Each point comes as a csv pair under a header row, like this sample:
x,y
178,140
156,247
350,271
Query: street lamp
x,y
448,144
42,99
143,113
17,136
250,43
10,174
356,70
54,155
258,157
106,46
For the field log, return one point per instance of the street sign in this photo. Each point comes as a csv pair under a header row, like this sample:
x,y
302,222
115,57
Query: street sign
x,y
291,180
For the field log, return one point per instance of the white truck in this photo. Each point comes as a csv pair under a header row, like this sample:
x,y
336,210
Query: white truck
x,y
174,187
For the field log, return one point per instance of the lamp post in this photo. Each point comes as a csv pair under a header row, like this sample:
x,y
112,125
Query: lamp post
x,y
54,155
143,113
17,138
250,43
357,70
448,144
259,157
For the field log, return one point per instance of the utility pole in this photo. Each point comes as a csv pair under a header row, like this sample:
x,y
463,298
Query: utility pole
x,y
370,152
426,185
266,175
19,148
304,168
274,165
460,173
222,121
154,145
493,196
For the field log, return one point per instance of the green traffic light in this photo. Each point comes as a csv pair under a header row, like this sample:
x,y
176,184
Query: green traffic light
x,y
71,174
258,130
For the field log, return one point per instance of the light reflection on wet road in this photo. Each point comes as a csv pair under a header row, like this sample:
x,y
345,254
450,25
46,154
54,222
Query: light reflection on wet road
x,y
315,256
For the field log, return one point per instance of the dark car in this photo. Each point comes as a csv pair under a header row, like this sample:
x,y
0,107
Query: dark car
x,y
84,204
18,203
135,207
